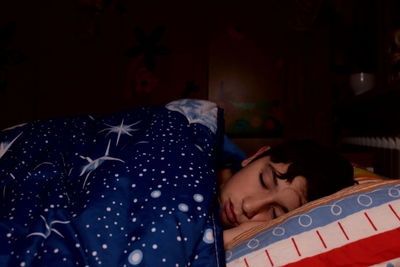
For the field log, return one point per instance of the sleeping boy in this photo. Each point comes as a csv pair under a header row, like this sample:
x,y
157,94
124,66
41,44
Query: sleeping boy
x,y
277,180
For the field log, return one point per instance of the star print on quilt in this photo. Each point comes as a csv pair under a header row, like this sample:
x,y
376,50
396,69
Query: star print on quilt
x,y
134,188
198,111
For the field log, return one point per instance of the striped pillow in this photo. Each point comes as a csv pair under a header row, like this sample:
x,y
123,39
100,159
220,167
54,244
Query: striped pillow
x,y
357,226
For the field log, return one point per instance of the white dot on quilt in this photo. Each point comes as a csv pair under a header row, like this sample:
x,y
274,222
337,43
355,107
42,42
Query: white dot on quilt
x,y
135,257
208,236
155,194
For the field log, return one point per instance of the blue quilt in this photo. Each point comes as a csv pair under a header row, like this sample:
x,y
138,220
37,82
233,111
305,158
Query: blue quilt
x,y
134,188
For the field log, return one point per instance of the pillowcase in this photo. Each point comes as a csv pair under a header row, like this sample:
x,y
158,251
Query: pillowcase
x,y
357,226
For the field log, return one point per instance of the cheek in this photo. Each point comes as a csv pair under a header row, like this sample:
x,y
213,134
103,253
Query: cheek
x,y
229,188
238,186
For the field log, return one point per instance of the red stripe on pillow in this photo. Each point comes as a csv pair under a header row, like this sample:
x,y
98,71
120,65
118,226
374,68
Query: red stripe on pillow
x,y
372,250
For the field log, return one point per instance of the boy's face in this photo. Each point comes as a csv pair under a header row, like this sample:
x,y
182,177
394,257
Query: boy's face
x,y
255,193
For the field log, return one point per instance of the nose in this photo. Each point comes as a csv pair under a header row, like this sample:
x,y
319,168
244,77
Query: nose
x,y
257,208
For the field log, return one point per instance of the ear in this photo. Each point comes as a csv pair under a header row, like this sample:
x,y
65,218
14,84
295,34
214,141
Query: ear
x,y
258,153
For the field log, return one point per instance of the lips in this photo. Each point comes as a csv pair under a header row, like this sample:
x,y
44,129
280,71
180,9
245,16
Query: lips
x,y
230,214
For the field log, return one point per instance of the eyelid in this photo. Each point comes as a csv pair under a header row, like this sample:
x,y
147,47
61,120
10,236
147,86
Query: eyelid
x,y
261,177
274,175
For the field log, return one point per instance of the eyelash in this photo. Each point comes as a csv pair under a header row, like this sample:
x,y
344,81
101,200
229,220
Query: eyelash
x,y
274,216
264,185
262,181
274,175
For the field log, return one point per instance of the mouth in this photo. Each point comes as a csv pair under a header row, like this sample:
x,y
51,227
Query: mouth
x,y
230,214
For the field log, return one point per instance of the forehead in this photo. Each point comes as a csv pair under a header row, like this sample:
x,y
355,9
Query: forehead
x,y
290,194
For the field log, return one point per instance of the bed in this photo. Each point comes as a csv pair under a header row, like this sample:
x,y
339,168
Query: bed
x,y
134,188
138,188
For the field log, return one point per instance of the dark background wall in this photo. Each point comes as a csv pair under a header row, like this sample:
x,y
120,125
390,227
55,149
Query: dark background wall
x,y
69,57
74,56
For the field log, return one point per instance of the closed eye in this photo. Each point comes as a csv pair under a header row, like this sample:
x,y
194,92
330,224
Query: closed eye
x,y
274,215
275,175
261,178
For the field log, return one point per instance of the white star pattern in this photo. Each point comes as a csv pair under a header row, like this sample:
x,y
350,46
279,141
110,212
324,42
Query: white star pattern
x,y
61,206
49,228
94,164
43,163
4,189
5,146
121,129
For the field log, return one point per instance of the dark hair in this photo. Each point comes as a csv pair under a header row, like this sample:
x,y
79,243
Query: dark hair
x,y
325,170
